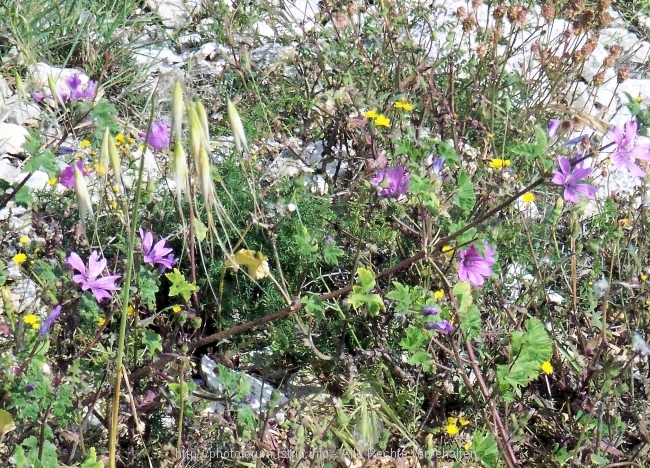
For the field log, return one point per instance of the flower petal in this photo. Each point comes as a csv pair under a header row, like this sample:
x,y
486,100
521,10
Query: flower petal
x,y
75,262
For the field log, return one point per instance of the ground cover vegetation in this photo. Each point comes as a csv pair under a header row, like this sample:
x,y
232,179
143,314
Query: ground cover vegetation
x,y
454,279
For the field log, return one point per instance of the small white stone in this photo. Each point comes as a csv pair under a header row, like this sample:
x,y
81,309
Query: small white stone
x,y
12,138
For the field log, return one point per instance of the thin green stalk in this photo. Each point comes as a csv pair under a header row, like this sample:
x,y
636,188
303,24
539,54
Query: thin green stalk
x,y
126,289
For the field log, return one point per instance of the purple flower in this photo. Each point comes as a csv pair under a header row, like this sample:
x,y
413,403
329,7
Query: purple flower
x,y
474,266
570,180
625,153
76,91
30,387
437,165
430,310
90,279
393,182
576,140
66,178
249,398
442,326
553,125
49,320
159,136
156,254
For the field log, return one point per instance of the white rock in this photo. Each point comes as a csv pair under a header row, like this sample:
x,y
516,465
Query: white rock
x,y
12,138
259,390
8,171
207,51
174,13
41,71
38,180
19,112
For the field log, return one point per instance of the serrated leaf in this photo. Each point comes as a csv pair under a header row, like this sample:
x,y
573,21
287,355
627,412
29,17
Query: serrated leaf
x,y
366,278
43,161
153,342
470,322
148,287
24,197
466,195
91,461
200,231
179,285
463,294
485,448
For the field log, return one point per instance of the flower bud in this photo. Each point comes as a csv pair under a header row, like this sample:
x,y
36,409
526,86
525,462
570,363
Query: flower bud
x,y
180,170
83,197
20,88
115,161
55,92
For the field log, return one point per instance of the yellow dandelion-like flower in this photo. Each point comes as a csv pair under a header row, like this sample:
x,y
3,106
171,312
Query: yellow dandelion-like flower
x,y
371,114
119,139
528,197
129,310
52,181
84,143
114,205
447,249
19,258
467,446
547,368
130,140
439,294
403,105
33,320
644,278
24,240
177,309
382,121
116,189
101,321
463,421
92,152
499,163
490,136
639,99
100,169
79,155
452,429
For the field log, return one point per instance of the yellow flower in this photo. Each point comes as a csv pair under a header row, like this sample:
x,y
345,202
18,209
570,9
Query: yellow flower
x,y
528,197
129,310
84,143
439,294
114,205
463,421
644,278
116,189
119,139
547,368
371,114
447,249
24,240
79,155
51,181
92,152
403,105
19,258
100,169
490,136
33,320
101,321
382,121
467,446
130,140
639,99
452,429
177,309
499,163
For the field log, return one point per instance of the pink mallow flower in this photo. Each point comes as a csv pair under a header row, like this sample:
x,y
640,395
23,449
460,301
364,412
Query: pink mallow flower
x,y
66,178
158,253
626,152
159,136
392,182
570,180
89,278
474,266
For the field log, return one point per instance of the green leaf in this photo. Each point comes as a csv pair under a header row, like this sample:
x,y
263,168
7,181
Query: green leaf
x,y
307,246
33,143
463,293
448,152
153,342
422,359
414,340
43,161
533,150
331,254
314,305
200,231
402,297
470,322
91,461
485,448
367,279
466,195
24,197
179,285
148,286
